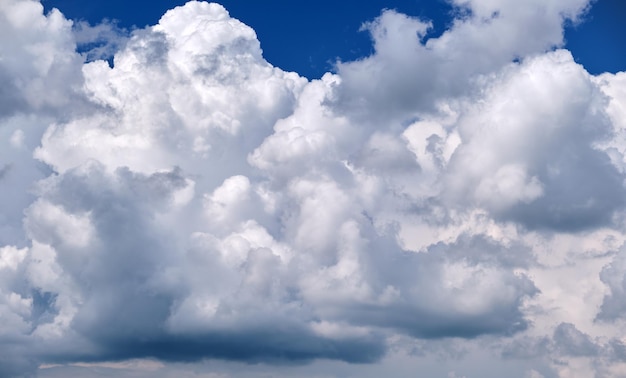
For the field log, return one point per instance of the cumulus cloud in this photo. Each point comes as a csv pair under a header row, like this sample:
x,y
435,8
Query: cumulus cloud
x,y
526,159
191,201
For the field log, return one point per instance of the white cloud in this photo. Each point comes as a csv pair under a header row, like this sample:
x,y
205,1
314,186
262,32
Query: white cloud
x,y
529,150
461,194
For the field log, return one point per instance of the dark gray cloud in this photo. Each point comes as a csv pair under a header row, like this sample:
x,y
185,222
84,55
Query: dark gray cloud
x,y
527,348
286,345
15,363
570,341
10,101
614,276
4,170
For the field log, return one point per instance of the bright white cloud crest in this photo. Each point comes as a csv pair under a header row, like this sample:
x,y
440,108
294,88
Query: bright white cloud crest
x,y
193,201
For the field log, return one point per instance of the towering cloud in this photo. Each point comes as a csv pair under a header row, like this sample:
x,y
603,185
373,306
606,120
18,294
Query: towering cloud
x,y
191,201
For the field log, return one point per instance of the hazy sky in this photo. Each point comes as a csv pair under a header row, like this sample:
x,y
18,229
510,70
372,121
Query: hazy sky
x,y
448,201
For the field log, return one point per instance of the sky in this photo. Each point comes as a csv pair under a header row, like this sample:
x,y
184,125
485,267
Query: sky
x,y
313,190
309,37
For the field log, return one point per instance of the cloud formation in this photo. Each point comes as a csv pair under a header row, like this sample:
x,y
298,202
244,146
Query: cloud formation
x,y
191,201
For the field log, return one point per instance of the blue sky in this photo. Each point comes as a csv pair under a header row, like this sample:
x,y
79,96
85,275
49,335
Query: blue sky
x,y
312,189
307,37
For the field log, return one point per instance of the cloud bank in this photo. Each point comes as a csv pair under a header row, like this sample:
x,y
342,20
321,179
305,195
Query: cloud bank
x,y
190,201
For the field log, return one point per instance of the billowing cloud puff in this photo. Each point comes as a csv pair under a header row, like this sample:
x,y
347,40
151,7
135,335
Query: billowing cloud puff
x,y
538,128
38,61
188,200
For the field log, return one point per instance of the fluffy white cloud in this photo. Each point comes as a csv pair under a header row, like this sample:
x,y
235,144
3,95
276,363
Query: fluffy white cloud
x,y
191,201
38,83
529,150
